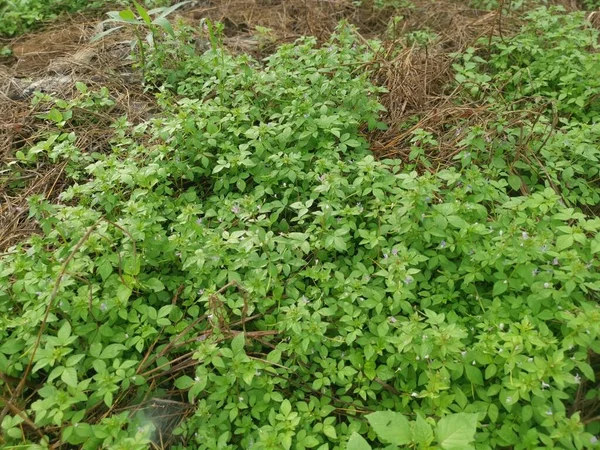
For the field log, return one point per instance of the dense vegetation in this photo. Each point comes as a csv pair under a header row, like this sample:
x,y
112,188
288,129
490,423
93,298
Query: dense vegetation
x,y
241,272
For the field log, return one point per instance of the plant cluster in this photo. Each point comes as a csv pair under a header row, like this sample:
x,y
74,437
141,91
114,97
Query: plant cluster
x,y
240,272
20,16
546,98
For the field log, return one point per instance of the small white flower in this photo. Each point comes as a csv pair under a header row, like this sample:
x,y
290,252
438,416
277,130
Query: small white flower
x,y
393,319
593,440
549,412
501,326
546,285
196,379
509,399
414,394
463,353
545,385
577,378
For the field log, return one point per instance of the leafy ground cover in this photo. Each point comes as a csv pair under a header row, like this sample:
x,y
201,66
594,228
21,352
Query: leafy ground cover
x,y
242,271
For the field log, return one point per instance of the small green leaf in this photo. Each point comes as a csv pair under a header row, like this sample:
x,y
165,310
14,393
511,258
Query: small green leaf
x,y
563,242
238,343
155,285
54,115
65,332
69,376
184,382
111,351
514,182
286,408
329,431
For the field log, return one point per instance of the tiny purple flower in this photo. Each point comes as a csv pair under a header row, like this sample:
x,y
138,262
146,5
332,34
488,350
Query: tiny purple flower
x,y
555,262
395,251
525,235
235,209
393,319
385,256
408,279
535,271
443,244
199,221
103,306
201,292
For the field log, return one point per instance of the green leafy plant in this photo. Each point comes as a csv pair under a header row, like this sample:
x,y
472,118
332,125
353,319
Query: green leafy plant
x,y
20,16
530,68
154,20
451,432
242,264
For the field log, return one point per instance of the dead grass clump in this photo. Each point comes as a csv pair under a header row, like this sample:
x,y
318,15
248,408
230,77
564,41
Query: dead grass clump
x,y
53,61
289,19
418,75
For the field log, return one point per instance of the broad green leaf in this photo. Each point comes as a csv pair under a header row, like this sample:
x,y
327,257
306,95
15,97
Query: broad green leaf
x,y
456,431
391,427
422,431
357,442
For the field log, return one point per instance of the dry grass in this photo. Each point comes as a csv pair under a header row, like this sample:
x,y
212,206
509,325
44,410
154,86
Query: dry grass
x,y
54,60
